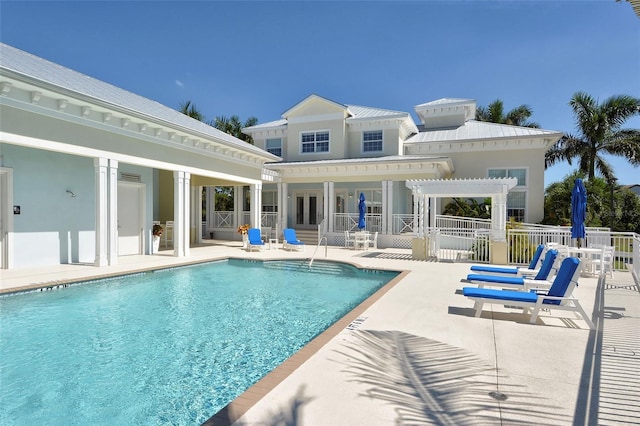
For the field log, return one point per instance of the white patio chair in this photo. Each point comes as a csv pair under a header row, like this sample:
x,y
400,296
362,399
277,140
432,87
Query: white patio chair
x,y
168,229
349,240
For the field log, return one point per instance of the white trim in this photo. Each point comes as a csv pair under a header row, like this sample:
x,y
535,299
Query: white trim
x,y
48,145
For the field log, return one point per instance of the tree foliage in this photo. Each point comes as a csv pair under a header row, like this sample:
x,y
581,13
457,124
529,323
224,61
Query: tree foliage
x,y
468,208
626,205
189,108
600,132
494,113
233,126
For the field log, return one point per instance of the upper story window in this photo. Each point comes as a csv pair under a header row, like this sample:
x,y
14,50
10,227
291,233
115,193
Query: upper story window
x,y
315,141
520,174
517,197
372,141
274,146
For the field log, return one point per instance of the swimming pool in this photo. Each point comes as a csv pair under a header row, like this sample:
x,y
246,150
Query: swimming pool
x,y
167,347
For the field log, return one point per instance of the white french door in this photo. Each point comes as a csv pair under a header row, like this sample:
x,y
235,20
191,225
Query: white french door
x,y
308,209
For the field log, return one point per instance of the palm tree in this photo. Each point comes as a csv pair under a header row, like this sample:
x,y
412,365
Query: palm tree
x,y
188,108
600,133
234,126
494,113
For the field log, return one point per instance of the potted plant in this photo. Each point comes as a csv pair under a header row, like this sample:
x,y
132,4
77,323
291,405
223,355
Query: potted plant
x,y
157,233
243,229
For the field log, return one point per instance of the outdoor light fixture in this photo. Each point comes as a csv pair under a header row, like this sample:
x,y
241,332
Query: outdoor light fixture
x,y
71,192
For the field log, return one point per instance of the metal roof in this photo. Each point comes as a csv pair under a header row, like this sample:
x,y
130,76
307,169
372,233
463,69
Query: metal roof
x,y
474,130
27,66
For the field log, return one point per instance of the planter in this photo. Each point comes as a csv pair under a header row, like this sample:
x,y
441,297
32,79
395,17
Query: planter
x,y
245,241
156,244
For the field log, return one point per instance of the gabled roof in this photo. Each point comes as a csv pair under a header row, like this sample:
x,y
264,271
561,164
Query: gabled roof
x,y
309,98
355,112
477,130
33,69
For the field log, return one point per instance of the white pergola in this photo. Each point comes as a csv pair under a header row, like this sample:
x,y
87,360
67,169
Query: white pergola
x,y
496,188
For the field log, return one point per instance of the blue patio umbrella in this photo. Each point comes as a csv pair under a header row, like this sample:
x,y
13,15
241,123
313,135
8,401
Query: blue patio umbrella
x,y
362,209
578,210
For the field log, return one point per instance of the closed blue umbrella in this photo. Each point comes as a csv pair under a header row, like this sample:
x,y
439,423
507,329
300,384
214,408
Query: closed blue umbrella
x,y
362,209
578,210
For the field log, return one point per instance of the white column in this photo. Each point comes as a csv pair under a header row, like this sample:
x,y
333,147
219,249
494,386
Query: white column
x,y
387,207
238,205
499,217
186,214
101,225
211,205
283,205
181,211
327,206
196,213
112,220
416,213
256,205
433,210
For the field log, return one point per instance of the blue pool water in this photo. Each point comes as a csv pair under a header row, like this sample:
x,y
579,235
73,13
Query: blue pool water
x,y
170,347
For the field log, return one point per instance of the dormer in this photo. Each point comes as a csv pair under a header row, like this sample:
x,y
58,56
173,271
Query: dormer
x,y
315,108
446,112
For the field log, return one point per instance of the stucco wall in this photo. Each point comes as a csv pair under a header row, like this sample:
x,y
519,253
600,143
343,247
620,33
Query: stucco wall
x,y
476,164
53,226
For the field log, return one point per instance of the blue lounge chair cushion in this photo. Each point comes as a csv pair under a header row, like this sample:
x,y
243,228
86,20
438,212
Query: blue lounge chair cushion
x,y
290,237
495,279
254,236
506,295
510,271
494,269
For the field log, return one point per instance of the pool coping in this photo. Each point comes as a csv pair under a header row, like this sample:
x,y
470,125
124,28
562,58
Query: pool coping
x,y
241,404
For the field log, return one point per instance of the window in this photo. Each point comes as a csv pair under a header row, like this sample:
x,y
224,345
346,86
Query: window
x,y
373,200
315,141
274,146
269,201
517,197
372,141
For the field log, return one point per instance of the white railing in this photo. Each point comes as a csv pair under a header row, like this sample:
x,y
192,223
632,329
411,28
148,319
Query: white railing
x,y
349,222
635,266
456,222
223,219
455,244
402,223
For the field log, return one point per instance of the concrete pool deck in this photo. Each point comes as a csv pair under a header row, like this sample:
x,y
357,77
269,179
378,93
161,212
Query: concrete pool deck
x,y
417,355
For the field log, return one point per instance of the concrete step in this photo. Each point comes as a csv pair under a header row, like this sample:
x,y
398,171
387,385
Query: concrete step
x,y
308,236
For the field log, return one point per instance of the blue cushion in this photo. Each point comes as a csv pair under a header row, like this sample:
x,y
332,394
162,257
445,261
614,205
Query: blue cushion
x,y
506,295
536,256
496,279
547,264
494,269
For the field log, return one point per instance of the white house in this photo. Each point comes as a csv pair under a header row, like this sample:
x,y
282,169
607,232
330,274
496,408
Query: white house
x,y
86,168
333,152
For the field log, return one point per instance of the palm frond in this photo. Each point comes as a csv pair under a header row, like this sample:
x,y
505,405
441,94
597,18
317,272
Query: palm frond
x,y
430,382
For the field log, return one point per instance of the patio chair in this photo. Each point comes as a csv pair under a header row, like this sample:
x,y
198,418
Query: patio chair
x,y
373,242
532,269
254,239
541,279
559,296
349,239
604,267
168,230
290,241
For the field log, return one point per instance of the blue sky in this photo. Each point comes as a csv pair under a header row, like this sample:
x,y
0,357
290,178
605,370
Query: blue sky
x,y
261,58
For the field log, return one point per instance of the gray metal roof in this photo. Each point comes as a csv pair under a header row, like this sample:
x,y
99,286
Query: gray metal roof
x,y
357,112
28,66
474,130
368,112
